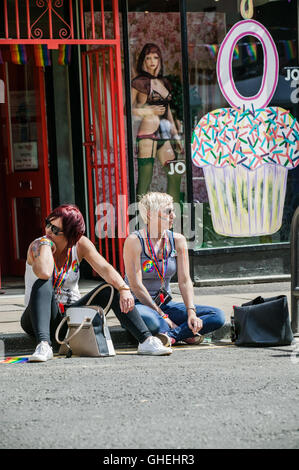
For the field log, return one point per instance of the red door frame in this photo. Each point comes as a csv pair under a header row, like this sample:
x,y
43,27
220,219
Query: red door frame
x,y
22,184
100,138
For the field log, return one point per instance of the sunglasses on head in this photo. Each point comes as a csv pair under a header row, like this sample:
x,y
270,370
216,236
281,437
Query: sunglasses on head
x,y
54,229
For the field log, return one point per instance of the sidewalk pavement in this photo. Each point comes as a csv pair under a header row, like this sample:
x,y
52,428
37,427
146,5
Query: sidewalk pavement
x,y
16,342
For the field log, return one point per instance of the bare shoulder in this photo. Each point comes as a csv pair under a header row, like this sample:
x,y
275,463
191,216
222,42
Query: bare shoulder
x,y
180,241
132,243
84,245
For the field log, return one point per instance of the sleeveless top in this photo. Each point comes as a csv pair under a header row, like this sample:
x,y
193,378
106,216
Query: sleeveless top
x,y
69,291
150,276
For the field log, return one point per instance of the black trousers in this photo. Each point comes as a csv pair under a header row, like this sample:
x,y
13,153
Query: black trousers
x,y
42,315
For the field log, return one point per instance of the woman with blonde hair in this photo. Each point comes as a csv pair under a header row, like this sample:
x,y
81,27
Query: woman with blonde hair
x,y
152,256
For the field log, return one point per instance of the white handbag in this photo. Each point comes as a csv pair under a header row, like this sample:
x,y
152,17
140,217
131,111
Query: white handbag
x,y
88,333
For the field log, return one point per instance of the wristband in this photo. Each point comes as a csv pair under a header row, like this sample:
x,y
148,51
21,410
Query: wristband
x,y
46,241
191,308
164,315
124,287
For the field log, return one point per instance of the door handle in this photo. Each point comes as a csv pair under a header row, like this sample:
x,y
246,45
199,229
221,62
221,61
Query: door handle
x,y
25,184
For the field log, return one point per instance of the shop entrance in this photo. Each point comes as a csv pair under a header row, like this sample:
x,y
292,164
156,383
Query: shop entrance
x,y
25,190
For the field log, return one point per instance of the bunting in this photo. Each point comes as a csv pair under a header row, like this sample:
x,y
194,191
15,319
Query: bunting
x,y
18,54
42,55
64,56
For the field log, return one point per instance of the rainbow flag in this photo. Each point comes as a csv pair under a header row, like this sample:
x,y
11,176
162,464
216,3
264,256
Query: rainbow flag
x,y
14,360
290,49
213,49
64,56
18,54
251,48
42,55
236,53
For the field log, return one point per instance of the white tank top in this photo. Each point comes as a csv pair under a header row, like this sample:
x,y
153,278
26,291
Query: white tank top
x,y
69,291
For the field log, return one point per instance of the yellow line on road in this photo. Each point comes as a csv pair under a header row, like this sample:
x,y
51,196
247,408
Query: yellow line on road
x,y
120,352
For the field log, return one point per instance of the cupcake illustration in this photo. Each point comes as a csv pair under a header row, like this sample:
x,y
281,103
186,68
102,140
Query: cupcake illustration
x,y
246,150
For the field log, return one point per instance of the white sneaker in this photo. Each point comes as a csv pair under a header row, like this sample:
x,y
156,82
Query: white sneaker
x,y
165,339
42,353
152,346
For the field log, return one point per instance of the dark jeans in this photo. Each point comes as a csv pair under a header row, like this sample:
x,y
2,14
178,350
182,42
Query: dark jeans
x,y
42,316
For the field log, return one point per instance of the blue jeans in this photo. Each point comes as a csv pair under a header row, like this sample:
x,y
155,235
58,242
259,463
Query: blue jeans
x,y
212,319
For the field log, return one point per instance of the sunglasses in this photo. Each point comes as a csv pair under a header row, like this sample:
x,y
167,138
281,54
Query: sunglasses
x,y
168,211
54,229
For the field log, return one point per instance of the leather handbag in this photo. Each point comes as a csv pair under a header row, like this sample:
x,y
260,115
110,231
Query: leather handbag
x,y
88,333
262,322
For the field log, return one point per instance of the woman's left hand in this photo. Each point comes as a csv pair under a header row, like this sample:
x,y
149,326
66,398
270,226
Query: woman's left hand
x,y
126,301
195,324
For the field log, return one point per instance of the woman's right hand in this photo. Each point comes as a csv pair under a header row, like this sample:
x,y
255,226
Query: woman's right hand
x,y
157,110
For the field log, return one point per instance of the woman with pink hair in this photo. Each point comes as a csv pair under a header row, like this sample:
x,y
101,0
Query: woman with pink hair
x,y
51,284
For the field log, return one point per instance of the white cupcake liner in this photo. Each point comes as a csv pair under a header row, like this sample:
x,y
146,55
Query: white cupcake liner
x,y
246,203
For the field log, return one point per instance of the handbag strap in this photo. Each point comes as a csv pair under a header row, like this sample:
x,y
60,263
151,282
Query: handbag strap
x,y
105,311
99,289
65,341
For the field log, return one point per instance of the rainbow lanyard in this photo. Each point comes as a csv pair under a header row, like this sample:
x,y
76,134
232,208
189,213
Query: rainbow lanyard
x,y
59,276
161,273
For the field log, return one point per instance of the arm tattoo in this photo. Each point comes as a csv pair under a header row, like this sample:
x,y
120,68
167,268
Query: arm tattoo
x,y
35,250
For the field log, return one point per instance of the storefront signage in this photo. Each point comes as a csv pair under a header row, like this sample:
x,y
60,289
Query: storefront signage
x,y
292,73
224,67
25,156
178,167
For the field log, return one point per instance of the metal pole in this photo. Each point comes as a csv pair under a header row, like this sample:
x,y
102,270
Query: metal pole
x,y
294,239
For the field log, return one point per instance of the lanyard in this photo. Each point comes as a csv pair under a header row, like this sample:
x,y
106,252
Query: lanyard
x,y
59,276
161,273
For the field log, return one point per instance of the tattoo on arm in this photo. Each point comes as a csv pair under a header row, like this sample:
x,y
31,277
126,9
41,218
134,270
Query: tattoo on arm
x,y
35,250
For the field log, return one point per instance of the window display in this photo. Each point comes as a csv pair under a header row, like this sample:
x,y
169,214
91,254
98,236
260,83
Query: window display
x,y
157,135
252,210
157,103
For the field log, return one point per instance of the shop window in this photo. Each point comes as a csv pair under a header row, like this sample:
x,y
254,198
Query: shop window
x,y
208,22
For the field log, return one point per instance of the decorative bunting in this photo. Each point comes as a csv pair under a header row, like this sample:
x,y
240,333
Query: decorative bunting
x,y
64,57
18,54
290,49
42,55
236,53
213,49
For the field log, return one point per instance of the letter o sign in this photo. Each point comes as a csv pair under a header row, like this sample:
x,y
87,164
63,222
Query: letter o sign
x,y
271,65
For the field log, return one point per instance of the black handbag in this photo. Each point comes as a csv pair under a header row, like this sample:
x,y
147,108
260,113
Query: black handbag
x,y
262,322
